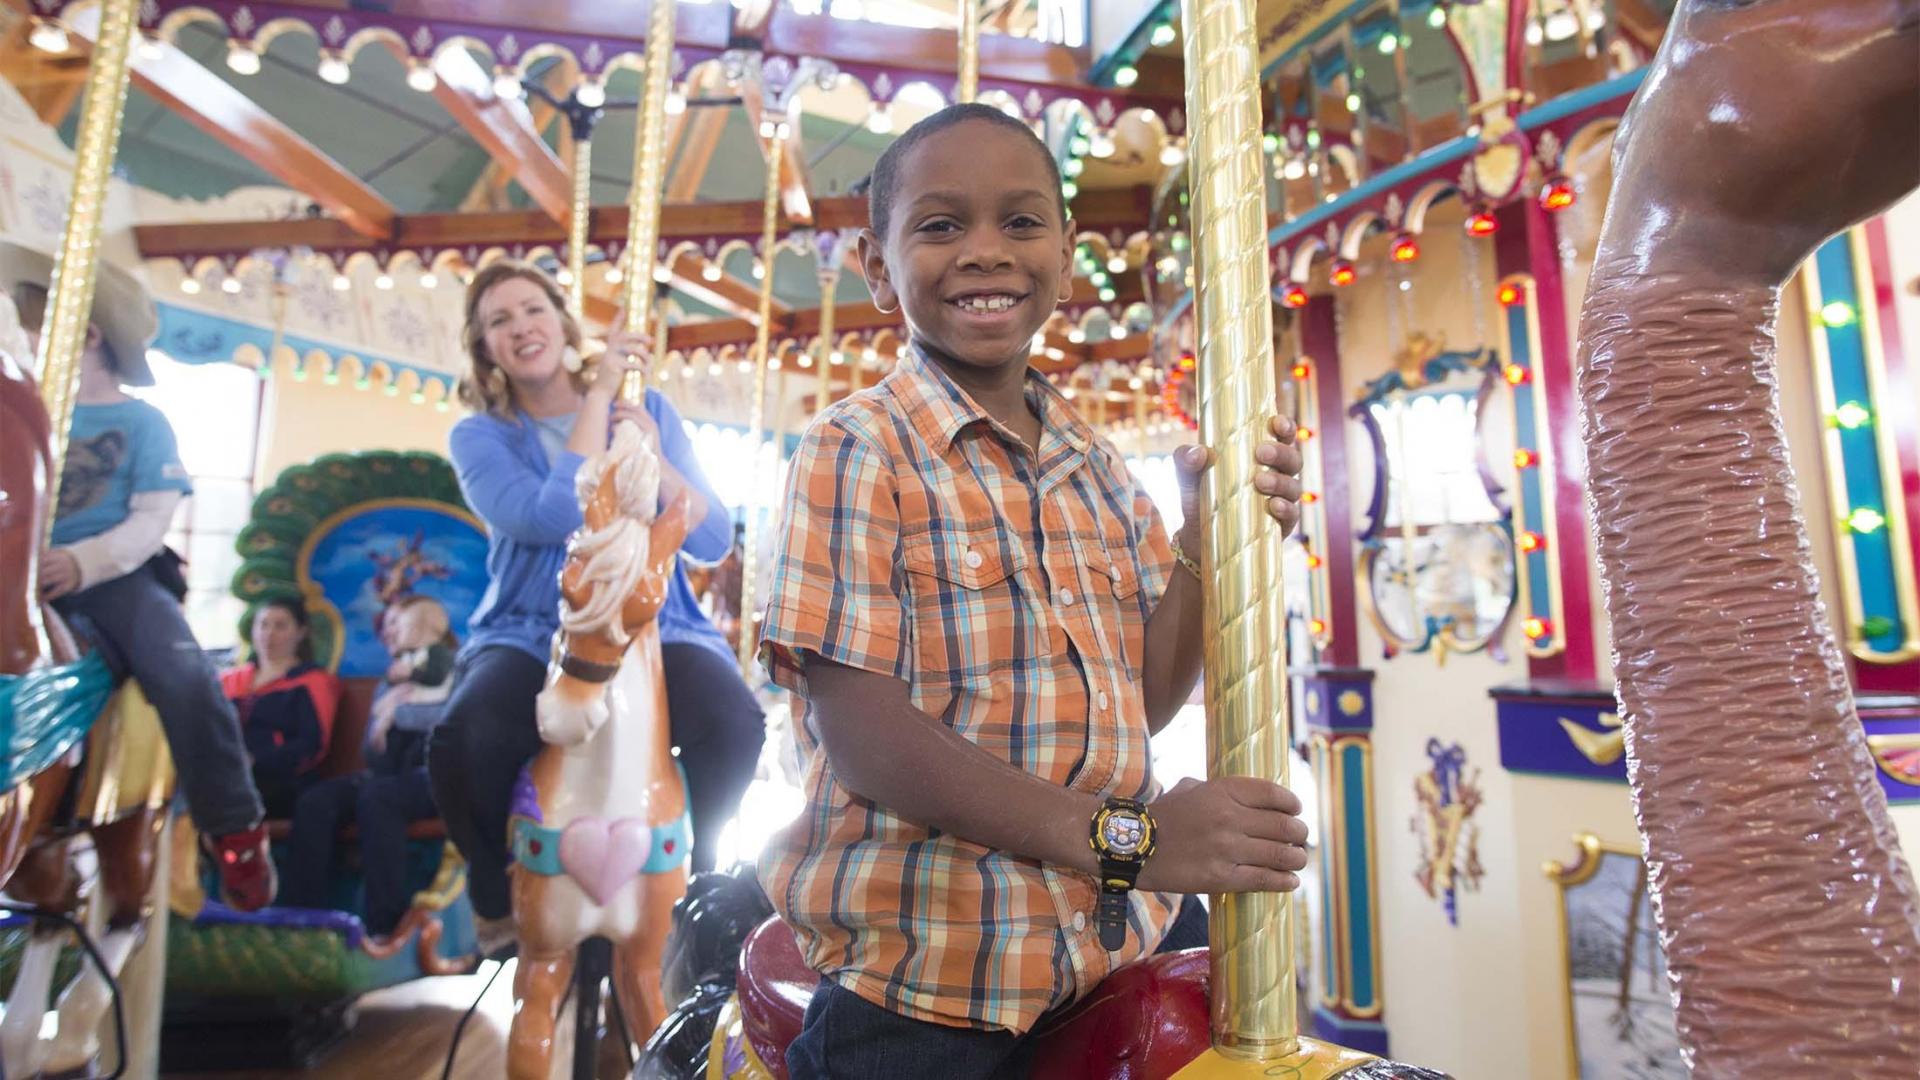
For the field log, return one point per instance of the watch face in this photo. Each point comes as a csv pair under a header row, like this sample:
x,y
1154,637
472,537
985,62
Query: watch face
x,y
1123,833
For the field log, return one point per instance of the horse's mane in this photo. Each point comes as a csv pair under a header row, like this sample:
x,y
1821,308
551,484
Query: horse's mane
x,y
615,556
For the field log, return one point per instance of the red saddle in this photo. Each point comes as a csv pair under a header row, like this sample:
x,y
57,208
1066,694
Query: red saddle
x,y
1145,1022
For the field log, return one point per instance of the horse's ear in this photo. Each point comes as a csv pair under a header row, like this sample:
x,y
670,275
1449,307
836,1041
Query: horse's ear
x,y
670,529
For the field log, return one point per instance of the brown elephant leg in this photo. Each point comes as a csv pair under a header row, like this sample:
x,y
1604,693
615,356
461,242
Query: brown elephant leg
x,y
1790,920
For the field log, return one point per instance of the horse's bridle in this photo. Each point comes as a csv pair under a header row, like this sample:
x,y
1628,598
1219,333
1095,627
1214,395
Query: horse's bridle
x,y
587,671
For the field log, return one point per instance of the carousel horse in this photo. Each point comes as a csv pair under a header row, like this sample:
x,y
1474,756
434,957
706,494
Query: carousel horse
x,y
52,700
600,831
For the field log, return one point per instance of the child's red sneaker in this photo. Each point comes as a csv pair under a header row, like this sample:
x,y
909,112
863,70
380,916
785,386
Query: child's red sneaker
x,y
247,878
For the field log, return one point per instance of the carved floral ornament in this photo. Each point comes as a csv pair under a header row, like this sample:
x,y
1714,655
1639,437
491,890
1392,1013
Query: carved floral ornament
x,y
1490,168
252,27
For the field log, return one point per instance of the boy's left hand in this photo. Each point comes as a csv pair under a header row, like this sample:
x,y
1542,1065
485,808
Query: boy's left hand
x,y
1278,462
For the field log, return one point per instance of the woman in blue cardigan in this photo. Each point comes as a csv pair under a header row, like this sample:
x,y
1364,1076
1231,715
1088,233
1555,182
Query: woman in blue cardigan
x,y
535,420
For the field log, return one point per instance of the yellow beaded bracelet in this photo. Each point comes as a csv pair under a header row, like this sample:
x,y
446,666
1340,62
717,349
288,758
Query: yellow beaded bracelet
x,y
1188,561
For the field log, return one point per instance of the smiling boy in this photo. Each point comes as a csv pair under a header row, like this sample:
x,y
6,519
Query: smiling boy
x,y
987,622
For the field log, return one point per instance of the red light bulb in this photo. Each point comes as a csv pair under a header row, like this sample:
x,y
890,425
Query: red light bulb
x,y
1294,297
1509,294
1557,194
1535,629
1405,248
1517,375
1530,542
1342,273
1482,223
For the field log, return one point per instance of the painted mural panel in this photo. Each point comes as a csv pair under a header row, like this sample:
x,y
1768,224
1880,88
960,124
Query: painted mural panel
x,y
1619,1002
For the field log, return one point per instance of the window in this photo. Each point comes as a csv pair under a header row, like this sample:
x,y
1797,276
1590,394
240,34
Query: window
x,y
215,413
1440,484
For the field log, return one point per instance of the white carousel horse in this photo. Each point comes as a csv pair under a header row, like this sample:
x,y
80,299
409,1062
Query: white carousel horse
x,y
600,832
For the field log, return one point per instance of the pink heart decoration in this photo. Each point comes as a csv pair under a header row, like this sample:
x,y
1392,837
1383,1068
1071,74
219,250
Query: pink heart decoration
x,y
601,856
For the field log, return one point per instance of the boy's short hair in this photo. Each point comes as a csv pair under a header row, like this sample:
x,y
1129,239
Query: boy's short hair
x,y
886,172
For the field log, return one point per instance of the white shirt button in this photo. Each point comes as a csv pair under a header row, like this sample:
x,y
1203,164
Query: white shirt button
x,y
1113,572
1066,597
974,560
1079,921
1100,700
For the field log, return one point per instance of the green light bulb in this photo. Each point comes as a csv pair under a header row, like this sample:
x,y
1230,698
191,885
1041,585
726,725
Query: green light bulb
x,y
1852,415
1838,314
1865,520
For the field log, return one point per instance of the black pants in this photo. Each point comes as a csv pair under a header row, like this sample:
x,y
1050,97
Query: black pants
x,y
490,735
383,803
138,627
846,1036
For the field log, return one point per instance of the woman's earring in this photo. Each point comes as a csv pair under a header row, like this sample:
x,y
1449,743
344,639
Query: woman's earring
x,y
570,359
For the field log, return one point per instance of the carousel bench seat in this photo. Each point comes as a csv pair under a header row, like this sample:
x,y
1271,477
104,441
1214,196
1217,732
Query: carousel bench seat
x,y
1147,1020
344,758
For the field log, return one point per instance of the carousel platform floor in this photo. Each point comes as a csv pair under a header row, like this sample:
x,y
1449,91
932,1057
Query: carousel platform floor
x,y
402,1033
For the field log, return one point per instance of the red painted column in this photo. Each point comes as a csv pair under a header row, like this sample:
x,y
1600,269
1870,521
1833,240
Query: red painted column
x,y
1320,343
1528,243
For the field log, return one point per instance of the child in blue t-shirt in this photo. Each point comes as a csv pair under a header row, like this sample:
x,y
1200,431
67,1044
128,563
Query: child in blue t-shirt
x,y
109,574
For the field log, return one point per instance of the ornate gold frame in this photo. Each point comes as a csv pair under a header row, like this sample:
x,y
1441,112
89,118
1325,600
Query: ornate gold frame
x,y
1565,876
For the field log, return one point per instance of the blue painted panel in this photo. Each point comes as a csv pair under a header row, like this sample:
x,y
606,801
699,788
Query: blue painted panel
x,y
1533,739
1359,867
1859,449
1366,1036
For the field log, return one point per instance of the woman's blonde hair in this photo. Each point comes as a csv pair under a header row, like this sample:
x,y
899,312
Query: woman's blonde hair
x,y
484,387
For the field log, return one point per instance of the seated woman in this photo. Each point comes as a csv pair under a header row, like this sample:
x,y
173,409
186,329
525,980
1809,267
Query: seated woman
x,y
392,792
286,704
536,419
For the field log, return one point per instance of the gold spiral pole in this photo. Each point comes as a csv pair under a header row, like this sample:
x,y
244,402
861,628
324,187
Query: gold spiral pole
x,y
63,335
577,222
968,87
756,409
649,174
1255,1022
829,284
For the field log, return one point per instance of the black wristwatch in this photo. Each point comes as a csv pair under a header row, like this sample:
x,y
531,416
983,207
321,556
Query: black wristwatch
x,y
1122,835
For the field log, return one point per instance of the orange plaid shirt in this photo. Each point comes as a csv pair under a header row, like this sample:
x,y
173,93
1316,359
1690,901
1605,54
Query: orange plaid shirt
x,y
1010,590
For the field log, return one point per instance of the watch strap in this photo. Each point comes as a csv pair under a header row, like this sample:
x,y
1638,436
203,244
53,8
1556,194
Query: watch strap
x,y
1112,918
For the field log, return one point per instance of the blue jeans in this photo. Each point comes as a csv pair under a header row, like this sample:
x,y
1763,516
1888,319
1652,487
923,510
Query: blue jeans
x,y
847,1037
137,626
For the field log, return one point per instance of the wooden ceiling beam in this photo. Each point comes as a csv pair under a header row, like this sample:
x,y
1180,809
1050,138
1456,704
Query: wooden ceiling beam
x,y
703,138
503,126
794,202
727,293
1122,208
217,108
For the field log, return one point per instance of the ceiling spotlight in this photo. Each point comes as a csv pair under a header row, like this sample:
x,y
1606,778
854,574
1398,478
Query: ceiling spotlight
x,y
614,276
420,77
384,281
1117,264
230,286
429,280
676,101
189,285
591,93
334,68
1294,169
711,271
1101,144
1173,155
151,48
506,85
49,36
341,283
1161,35
243,58
661,274
1126,75
880,118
